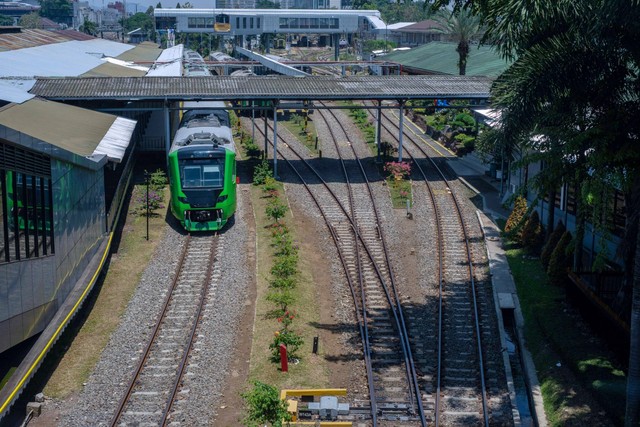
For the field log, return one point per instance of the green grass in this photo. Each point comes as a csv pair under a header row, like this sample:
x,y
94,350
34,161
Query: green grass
x,y
552,336
400,192
308,137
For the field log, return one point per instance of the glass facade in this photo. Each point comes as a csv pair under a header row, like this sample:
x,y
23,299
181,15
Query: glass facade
x,y
309,23
59,223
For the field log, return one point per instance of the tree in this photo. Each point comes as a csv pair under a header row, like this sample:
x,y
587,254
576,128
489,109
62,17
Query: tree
x,y
588,109
89,27
31,20
159,5
6,20
56,10
462,26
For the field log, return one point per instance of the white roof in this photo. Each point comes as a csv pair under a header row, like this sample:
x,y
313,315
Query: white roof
x,y
116,140
491,117
173,69
64,59
376,22
171,54
16,90
398,25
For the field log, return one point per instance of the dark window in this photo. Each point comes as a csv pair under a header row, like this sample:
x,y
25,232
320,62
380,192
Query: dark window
x,y
617,215
570,203
26,215
244,22
258,23
251,23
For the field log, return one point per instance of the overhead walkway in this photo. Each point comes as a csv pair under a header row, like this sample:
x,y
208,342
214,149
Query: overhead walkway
x,y
272,64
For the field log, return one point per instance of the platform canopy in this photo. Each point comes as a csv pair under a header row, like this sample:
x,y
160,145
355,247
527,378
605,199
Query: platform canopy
x,y
229,88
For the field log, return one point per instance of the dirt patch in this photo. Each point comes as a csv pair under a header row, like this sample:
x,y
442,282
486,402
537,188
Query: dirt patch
x,y
231,409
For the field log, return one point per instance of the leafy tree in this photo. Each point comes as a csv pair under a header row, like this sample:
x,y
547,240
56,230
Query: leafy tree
x,y
31,20
588,109
159,5
56,10
6,20
462,26
149,11
89,27
276,209
178,6
264,406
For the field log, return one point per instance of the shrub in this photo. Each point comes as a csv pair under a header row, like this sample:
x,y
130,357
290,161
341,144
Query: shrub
x,y
140,200
270,187
252,150
276,209
285,266
532,236
465,143
157,180
560,259
463,120
290,339
261,172
548,248
282,298
289,282
399,170
264,406
516,219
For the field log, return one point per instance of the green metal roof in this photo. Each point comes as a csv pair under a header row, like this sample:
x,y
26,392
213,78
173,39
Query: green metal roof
x,y
442,58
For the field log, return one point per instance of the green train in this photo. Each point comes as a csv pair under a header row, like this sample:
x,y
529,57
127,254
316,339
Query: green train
x,y
202,167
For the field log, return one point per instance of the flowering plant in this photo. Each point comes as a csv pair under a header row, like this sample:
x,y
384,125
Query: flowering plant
x,y
399,170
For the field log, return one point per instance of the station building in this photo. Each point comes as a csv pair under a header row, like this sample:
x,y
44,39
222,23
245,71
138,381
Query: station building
x,y
63,170
242,23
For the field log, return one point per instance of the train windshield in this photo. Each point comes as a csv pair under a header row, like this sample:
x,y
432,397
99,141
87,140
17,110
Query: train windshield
x,y
202,173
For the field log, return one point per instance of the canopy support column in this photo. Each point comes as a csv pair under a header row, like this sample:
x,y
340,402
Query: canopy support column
x,y
401,102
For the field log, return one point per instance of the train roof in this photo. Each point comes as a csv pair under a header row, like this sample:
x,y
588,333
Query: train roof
x,y
203,130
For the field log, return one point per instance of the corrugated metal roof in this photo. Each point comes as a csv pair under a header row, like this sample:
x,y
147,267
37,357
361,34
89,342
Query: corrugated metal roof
x,y
109,69
143,52
173,69
27,38
171,54
265,87
116,140
442,58
70,58
73,129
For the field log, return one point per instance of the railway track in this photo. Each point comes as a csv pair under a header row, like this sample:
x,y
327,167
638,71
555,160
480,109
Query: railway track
x,y
350,214
155,390
466,333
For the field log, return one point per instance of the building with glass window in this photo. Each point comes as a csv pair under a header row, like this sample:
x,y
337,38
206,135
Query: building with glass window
x,y
53,214
247,22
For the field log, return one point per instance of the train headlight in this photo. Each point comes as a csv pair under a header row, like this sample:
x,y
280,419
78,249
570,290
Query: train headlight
x,y
222,198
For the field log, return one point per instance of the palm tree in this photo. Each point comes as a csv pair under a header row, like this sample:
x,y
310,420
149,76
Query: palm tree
x,y
588,108
462,27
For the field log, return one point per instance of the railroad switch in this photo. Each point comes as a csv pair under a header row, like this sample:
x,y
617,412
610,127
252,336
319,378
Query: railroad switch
x,y
307,411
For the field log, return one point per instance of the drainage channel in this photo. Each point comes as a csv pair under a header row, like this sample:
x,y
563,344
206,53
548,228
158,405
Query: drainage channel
x,y
522,389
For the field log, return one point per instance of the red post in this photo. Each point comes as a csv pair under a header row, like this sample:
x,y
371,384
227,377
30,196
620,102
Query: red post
x,y
284,362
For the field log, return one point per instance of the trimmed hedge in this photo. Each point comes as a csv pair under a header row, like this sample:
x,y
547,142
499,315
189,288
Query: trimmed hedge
x,y
532,236
548,248
516,218
560,258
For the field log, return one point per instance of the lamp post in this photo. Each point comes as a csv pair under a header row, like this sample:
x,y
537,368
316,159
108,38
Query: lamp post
x,y
146,181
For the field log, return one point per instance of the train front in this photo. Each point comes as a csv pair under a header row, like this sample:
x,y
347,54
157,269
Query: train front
x,y
203,187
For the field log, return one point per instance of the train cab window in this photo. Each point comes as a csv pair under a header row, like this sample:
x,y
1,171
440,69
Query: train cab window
x,y
212,176
202,173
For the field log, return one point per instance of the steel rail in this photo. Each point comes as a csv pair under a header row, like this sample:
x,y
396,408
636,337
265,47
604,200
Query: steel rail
x,y
143,359
395,303
361,322
192,334
471,276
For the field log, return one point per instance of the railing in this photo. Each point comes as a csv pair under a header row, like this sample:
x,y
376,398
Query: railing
x,y
604,289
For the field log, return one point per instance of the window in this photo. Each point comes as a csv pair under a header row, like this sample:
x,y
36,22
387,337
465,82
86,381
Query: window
x,y
202,173
244,22
251,23
258,23
26,214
